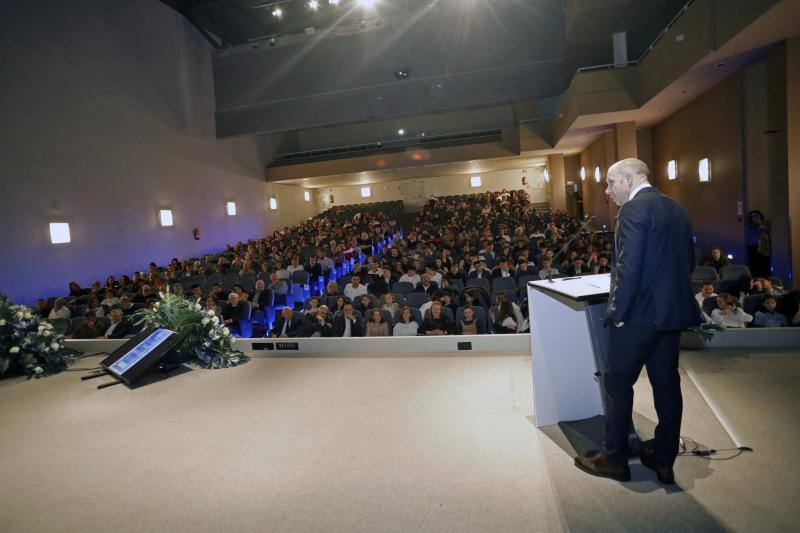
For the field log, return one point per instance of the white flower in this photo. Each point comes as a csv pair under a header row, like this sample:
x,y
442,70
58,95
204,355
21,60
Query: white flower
x,y
48,325
210,312
28,316
38,370
2,321
226,331
197,307
54,345
14,349
45,333
160,294
157,304
215,320
40,329
205,321
19,314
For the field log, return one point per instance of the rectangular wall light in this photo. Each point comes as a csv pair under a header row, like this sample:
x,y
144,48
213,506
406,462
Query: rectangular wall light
x,y
59,233
366,192
583,173
230,207
672,170
273,204
306,196
475,181
704,170
597,176
165,217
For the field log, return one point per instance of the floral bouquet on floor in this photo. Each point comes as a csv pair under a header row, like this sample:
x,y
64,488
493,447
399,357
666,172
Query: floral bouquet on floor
x,y
204,335
28,344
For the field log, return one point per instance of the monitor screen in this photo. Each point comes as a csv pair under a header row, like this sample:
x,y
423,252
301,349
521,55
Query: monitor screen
x,y
133,359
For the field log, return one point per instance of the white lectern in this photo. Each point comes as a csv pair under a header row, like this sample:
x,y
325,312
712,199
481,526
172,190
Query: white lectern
x,y
568,345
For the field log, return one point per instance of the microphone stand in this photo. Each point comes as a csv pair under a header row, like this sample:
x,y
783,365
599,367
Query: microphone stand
x,y
563,247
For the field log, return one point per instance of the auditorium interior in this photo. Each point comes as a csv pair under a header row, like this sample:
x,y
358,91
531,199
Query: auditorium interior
x,y
211,207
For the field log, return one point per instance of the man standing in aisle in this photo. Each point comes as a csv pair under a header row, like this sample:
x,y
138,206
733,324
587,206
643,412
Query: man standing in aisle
x,y
651,301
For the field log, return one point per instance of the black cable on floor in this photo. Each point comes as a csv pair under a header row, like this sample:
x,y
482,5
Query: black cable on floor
x,y
706,453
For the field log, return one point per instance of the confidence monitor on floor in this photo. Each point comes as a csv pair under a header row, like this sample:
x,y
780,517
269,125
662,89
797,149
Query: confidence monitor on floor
x,y
132,360
568,345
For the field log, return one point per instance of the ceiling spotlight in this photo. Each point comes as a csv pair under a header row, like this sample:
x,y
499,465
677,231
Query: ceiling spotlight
x,y
333,2
277,12
313,5
402,74
401,131
367,3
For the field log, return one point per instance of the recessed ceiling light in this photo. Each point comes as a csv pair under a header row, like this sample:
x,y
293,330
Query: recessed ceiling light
x,y
277,12
313,5
367,3
401,131
333,2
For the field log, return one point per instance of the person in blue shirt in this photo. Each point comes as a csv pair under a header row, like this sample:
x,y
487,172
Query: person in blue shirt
x,y
767,317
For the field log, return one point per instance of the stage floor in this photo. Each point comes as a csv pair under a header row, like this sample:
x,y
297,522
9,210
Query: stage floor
x,y
379,444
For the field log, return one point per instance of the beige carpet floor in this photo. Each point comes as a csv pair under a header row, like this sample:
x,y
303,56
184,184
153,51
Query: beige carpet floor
x,y
366,444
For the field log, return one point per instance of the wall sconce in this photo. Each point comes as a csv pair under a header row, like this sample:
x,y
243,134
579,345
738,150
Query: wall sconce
x,y
165,218
59,233
583,174
366,192
230,207
307,196
273,204
546,176
597,175
704,170
475,181
672,170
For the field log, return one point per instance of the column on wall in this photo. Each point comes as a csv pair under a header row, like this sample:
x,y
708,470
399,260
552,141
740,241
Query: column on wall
x,y
557,186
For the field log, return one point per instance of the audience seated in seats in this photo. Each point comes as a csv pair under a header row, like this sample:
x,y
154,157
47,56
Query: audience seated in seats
x,y
316,323
706,291
282,273
434,274
197,294
278,285
407,325
728,314
75,290
60,310
435,323
525,268
243,295
332,289
87,330
577,268
286,325
547,269
503,271
717,259
364,304
426,285
354,290
479,271
119,327
382,283
767,317
377,326
388,303
295,266
411,276
261,297
504,319
790,307
603,266
41,309
211,305
144,293
126,306
346,323
469,325
110,298
95,307
234,312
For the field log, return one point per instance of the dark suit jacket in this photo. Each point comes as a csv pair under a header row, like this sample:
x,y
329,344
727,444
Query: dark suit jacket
x,y
291,330
432,288
122,329
650,282
237,313
355,327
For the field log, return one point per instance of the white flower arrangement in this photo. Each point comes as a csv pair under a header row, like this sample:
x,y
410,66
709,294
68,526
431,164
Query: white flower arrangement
x,y
28,343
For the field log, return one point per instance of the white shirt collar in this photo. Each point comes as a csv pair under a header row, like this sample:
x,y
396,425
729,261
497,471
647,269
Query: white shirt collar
x,y
635,191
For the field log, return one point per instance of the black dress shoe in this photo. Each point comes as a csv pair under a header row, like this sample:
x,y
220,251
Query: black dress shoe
x,y
599,465
665,474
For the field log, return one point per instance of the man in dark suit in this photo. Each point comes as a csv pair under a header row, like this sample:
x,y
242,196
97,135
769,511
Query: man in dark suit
x,y
119,327
651,301
286,325
347,324
426,285
235,313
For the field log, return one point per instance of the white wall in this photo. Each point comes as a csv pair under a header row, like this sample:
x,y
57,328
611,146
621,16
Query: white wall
x,y
107,114
292,207
438,186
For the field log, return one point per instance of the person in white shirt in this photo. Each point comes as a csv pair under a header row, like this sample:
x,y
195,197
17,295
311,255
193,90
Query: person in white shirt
x,y
355,289
435,276
411,276
60,310
294,266
407,326
706,291
282,273
727,314
111,298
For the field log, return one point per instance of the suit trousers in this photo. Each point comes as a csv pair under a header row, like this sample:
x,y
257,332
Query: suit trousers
x,y
630,348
